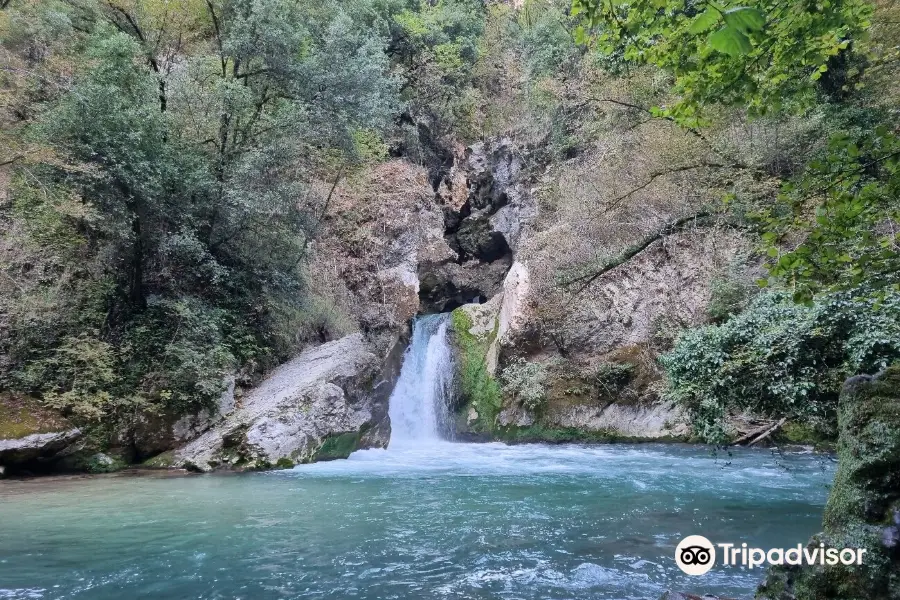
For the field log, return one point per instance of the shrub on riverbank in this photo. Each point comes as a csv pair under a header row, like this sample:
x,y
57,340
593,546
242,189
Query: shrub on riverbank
x,y
778,358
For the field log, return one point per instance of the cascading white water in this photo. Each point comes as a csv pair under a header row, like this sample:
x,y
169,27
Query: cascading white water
x,y
419,405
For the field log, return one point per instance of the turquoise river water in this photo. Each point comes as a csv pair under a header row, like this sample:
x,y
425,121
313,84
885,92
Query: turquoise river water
x,y
446,521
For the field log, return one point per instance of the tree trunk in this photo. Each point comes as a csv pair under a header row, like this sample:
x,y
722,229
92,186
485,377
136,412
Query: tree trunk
x,y
136,291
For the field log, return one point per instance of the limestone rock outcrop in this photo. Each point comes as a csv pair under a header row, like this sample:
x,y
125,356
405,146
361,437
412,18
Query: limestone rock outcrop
x,y
325,403
32,437
35,448
151,434
613,403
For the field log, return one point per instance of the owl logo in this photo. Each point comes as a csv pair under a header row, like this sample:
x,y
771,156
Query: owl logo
x,y
695,555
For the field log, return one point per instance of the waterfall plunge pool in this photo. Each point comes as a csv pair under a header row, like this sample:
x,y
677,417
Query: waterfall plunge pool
x,y
425,519
468,521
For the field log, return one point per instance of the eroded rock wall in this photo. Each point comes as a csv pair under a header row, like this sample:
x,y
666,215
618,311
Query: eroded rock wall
x,y
595,341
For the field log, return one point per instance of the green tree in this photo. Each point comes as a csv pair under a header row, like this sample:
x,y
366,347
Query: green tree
x,y
835,226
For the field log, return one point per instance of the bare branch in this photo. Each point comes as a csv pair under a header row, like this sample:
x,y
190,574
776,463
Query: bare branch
x,y
653,176
632,251
322,213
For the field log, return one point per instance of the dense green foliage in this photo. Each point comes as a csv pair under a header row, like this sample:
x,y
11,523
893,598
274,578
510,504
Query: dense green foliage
x,y
831,229
846,205
779,358
769,58
167,166
764,54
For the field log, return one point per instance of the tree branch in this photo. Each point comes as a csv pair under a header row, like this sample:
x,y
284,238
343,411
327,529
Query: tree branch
x,y
653,176
632,251
322,214
644,109
215,20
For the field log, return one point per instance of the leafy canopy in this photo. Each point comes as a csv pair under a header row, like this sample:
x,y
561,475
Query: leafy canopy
x,y
765,55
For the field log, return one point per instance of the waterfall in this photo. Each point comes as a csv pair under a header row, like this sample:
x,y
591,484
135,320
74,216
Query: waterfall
x,y
419,405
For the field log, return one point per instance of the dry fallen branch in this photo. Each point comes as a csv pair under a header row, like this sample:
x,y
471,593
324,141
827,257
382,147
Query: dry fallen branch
x,y
769,432
752,434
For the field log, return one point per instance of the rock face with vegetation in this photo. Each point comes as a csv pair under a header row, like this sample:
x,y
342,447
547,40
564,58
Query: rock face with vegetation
x,y
32,438
325,403
505,396
186,200
863,509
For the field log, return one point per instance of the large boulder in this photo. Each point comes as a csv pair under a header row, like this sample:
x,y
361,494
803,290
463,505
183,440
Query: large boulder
x,y
32,438
863,509
151,433
325,403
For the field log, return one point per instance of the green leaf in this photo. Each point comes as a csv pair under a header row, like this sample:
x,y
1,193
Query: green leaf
x,y
745,19
730,41
704,21
580,36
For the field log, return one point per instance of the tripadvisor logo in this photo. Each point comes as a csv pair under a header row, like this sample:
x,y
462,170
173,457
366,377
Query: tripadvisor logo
x,y
696,555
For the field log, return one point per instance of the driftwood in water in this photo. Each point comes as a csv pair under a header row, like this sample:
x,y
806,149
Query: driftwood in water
x,y
759,434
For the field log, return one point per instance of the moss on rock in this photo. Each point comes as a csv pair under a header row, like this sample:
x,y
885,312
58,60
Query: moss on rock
x,y
479,391
794,432
160,461
284,463
21,416
553,435
336,446
95,463
863,509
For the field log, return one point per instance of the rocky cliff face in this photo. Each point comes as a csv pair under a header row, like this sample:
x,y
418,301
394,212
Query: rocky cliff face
x,y
323,404
575,406
486,203
592,342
